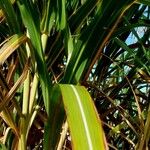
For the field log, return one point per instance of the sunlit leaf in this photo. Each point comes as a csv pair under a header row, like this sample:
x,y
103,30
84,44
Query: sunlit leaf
x,y
10,46
31,21
84,123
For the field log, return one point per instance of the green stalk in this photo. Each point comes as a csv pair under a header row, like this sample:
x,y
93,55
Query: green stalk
x,y
32,117
44,38
25,112
26,92
28,103
35,82
33,93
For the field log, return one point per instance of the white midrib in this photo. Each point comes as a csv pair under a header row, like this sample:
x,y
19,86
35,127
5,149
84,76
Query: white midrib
x,y
83,118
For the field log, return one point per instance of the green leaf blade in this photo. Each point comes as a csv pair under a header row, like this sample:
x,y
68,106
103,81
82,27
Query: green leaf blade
x,y
85,127
32,23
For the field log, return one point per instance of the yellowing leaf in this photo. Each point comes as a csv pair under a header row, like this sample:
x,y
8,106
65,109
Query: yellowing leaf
x,y
10,46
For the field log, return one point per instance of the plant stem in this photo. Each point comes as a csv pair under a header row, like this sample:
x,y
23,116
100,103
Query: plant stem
x,y
63,136
25,112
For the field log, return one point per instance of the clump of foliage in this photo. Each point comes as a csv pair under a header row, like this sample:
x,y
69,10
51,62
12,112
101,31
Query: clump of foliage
x,y
53,54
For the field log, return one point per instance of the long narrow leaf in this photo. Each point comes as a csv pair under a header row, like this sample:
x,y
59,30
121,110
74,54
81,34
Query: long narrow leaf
x,y
10,15
84,124
32,23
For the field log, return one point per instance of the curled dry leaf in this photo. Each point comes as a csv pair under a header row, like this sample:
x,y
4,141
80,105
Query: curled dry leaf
x,y
10,46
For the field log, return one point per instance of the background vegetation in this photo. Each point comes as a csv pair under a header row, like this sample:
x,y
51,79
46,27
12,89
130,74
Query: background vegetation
x,y
53,52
